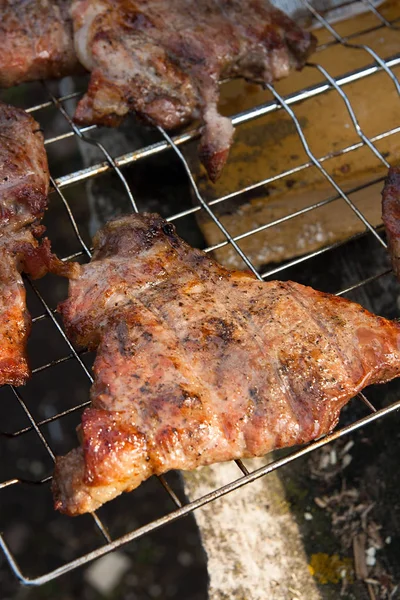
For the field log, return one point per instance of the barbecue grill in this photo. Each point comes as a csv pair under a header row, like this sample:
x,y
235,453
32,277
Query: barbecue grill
x,y
34,430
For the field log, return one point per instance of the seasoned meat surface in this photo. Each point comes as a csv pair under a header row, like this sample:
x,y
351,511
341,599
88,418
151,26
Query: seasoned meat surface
x,y
391,216
164,60
24,184
37,41
197,364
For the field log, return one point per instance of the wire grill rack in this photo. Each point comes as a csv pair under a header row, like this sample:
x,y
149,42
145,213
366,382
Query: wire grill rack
x,y
47,313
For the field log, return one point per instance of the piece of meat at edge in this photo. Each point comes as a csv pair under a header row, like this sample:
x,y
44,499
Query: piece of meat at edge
x,y
24,184
37,41
197,364
391,216
164,61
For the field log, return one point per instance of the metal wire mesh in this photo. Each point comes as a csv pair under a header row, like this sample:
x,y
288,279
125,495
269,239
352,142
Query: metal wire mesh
x,y
330,84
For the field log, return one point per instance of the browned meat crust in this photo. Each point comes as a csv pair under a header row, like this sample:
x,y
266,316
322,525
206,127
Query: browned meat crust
x,y
391,215
36,41
164,60
24,185
197,364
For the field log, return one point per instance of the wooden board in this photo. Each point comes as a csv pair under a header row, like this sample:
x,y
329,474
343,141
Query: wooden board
x,y
268,146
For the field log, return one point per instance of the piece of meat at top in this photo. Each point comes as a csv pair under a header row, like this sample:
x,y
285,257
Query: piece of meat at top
x,y
36,41
197,364
164,60
24,185
391,216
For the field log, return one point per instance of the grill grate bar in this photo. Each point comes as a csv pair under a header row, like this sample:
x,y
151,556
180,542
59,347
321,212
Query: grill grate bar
x,y
60,330
244,117
242,467
40,318
203,203
297,213
367,402
68,134
33,422
170,491
353,117
53,363
346,43
356,286
351,36
289,172
59,415
71,217
273,223
321,168
376,12
99,145
301,259
34,425
102,528
10,482
50,103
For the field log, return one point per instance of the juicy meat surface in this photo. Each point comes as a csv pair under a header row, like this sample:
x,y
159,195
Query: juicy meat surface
x,y
24,185
197,364
36,41
391,216
164,60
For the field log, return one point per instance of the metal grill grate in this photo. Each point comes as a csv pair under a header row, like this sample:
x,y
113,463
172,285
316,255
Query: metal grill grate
x,y
286,104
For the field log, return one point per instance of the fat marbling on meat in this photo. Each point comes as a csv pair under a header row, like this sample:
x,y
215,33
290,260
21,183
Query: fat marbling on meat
x,y
164,60
198,364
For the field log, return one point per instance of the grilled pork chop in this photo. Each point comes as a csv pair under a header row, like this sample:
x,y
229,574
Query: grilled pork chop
x,y
197,364
36,41
391,216
164,60
24,184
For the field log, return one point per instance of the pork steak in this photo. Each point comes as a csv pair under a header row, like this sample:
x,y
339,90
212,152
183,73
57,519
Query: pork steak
x,y
198,364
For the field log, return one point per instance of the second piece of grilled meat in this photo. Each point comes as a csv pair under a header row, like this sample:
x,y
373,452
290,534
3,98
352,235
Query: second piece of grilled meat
x,y
24,185
36,41
197,364
164,60
391,216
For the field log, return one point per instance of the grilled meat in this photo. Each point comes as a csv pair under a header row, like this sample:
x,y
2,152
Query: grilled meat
x,y
164,60
37,41
161,60
391,216
24,184
197,364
